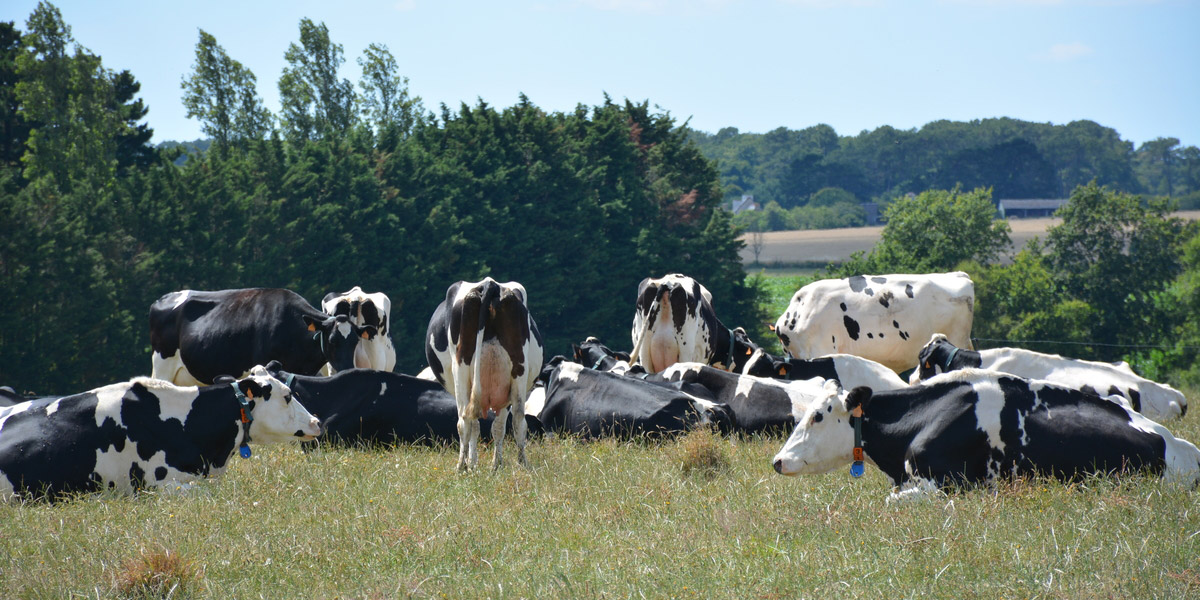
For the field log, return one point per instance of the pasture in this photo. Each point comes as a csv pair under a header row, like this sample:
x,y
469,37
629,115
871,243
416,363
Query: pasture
x,y
703,516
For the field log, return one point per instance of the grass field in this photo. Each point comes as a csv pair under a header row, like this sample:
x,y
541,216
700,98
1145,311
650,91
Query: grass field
x,y
700,517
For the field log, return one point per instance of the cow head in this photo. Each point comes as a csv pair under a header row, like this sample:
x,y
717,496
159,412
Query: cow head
x,y
824,437
741,348
761,364
939,356
338,338
276,415
591,351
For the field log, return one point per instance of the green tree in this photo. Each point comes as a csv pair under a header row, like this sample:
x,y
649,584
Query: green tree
x,y
222,94
315,102
386,103
935,231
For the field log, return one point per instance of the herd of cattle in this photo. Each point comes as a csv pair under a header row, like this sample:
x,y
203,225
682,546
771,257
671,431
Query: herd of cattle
x,y
233,367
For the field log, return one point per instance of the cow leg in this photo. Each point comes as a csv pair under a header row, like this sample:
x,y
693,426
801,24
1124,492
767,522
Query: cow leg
x,y
498,428
520,428
468,443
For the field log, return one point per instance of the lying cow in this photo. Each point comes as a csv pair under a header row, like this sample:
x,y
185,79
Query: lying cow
x,y
758,404
365,406
851,370
363,309
675,322
974,426
485,349
144,433
592,404
592,353
884,318
1154,400
196,336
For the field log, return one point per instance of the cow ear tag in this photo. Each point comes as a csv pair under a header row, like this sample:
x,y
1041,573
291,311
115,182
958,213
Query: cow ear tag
x,y
856,467
312,327
749,352
782,371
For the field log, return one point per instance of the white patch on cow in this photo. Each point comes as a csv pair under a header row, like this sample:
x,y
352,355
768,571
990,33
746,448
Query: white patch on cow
x,y
987,412
109,399
9,411
570,371
1181,457
383,388
53,407
915,489
345,330
426,374
536,401
181,297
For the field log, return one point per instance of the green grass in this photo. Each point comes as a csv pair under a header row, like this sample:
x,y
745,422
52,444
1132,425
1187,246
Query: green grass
x,y
607,519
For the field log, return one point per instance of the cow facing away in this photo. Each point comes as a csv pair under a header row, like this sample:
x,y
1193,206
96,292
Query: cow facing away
x,y
485,349
1154,400
365,309
196,336
675,322
974,426
884,318
144,433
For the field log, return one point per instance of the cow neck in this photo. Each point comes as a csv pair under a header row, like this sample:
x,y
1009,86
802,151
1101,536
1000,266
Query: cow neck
x,y
888,428
246,419
950,358
729,366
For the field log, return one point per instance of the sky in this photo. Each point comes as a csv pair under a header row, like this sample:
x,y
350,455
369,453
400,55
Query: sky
x,y
757,65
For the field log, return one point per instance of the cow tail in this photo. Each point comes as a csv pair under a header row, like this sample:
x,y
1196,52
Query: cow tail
x,y
651,314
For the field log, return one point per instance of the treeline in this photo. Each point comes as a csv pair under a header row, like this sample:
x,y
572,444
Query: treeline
x,y
787,170
345,186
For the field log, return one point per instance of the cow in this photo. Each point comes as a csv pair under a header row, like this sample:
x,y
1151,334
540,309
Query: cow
x,y
196,336
143,433
884,318
1154,400
485,349
592,404
758,404
366,406
851,370
973,427
366,309
9,397
675,322
592,353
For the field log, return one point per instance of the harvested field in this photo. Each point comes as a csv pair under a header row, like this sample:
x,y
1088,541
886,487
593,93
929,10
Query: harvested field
x,y
818,247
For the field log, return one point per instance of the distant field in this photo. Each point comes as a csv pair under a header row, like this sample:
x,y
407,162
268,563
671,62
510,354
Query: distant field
x,y
810,249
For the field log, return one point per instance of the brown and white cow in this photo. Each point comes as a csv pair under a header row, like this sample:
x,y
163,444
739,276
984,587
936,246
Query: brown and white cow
x,y
484,348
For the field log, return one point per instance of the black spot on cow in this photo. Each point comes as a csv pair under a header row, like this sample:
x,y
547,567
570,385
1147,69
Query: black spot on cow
x,y
869,292
783,338
881,335
904,335
880,280
908,290
886,298
160,473
870,336
1135,398
851,327
843,305
137,476
896,325
857,283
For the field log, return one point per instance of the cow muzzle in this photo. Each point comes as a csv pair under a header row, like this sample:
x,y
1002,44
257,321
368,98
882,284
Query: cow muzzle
x,y
313,429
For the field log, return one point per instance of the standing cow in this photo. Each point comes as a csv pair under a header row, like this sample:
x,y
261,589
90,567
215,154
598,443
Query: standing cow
x,y
885,318
1154,400
675,322
197,336
142,433
485,349
974,426
374,310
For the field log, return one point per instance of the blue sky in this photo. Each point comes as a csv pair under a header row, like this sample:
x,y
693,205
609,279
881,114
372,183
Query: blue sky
x,y
1133,65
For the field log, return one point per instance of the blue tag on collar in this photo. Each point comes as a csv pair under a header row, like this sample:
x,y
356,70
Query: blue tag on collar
x,y
856,469
244,451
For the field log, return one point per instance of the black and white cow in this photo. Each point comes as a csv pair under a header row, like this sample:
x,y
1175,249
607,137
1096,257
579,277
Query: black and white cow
x,y
144,433
196,336
593,404
758,404
1155,400
592,353
365,309
675,322
485,349
974,426
9,397
365,406
851,370
885,318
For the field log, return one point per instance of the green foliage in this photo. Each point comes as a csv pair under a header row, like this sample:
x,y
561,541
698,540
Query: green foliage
x,y
316,104
935,231
222,94
386,104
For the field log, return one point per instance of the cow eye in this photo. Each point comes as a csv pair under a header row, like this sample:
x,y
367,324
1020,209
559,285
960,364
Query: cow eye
x,y
817,418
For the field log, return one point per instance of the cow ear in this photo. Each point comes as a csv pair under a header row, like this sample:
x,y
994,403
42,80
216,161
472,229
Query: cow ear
x,y
771,326
859,396
578,352
622,356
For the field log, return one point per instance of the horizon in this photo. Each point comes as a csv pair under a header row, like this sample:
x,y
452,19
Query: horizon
x,y
1129,65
